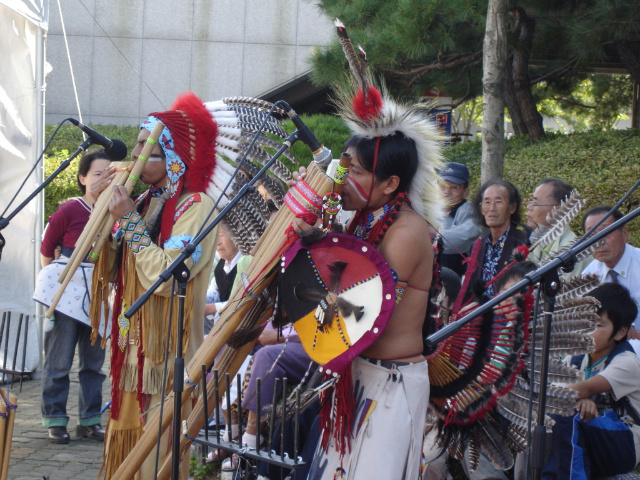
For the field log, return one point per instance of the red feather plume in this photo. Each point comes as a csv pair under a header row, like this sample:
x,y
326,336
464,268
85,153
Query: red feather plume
x,y
195,139
368,106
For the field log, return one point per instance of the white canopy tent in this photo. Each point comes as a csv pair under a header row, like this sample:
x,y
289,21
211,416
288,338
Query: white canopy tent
x,y
23,26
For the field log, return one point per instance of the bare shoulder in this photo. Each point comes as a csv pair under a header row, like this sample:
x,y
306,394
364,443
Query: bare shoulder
x,y
407,245
411,230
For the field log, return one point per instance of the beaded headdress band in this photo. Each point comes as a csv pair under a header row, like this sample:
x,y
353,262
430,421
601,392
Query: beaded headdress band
x,y
188,142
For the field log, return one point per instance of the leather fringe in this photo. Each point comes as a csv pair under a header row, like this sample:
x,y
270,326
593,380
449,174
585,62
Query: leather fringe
x,y
100,291
117,446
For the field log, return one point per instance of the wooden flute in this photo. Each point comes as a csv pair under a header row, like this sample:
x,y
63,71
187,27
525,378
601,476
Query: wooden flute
x,y
100,223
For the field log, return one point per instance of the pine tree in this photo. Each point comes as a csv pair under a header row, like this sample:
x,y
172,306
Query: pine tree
x,y
425,45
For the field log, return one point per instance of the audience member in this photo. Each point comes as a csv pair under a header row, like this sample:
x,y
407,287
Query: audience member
x,y
71,324
603,438
224,275
450,289
497,205
615,260
275,359
459,227
549,194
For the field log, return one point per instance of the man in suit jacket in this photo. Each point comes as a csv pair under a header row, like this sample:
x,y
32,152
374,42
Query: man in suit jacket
x,y
497,205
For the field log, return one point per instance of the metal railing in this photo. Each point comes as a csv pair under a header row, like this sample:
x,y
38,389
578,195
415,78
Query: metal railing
x,y
279,411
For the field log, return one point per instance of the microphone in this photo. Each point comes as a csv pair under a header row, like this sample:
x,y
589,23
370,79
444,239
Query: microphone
x,y
321,154
114,149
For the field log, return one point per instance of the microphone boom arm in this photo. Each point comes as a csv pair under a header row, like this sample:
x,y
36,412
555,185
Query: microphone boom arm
x,y
190,247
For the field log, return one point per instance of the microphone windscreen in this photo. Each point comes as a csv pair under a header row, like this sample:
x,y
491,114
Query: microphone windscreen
x,y
118,150
323,157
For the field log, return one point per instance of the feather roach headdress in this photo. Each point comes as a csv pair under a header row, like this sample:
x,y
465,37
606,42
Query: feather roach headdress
x,y
371,113
188,142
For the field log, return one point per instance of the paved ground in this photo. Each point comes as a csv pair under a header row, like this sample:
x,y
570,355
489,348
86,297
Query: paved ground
x,y
33,457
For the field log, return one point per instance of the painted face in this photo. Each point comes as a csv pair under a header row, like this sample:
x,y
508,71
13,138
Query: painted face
x,y
540,205
355,194
154,171
453,193
98,166
226,248
612,248
495,206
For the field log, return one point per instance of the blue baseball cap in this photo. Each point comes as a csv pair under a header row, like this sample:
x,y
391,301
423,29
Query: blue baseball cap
x,y
454,172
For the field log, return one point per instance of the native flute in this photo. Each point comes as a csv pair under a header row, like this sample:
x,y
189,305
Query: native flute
x,y
100,223
333,201
244,310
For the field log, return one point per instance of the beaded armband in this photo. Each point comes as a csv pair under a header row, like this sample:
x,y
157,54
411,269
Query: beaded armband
x,y
303,201
135,232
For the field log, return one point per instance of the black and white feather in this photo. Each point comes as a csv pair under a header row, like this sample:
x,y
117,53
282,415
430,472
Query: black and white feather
x,y
505,425
238,119
558,219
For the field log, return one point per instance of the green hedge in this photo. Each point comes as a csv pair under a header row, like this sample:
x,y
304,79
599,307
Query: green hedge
x,y
329,129
601,165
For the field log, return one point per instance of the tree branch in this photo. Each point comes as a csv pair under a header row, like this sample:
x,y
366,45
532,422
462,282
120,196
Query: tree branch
x,y
475,63
558,72
568,101
452,61
629,59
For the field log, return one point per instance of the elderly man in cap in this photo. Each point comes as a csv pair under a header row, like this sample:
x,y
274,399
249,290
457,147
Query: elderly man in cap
x,y
459,227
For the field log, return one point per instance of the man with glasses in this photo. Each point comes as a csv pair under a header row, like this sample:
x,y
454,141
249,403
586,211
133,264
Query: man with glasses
x,y
459,227
497,205
550,193
615,260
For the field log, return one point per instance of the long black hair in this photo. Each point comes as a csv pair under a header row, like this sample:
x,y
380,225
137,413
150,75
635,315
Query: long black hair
x,y
397,155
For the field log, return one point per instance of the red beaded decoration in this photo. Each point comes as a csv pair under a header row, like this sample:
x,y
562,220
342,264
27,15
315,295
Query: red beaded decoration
x,y
375,232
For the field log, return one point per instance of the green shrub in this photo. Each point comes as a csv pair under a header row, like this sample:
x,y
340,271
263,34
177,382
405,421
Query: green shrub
x,y
61,148
330,130
602,166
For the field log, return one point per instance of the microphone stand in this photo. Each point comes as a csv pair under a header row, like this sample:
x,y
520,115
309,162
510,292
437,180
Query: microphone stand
x,y
4,221
547,276
180,272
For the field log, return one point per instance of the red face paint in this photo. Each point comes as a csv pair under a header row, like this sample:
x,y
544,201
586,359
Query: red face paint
x,y
357,188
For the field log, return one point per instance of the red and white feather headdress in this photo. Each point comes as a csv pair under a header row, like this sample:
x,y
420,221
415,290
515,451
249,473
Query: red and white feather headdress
x,y
370,112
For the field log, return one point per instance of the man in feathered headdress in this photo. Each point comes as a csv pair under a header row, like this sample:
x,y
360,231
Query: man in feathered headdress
x,y
153,232
392,186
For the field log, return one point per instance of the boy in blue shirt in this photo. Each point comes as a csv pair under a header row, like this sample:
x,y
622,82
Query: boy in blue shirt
x,y
603,437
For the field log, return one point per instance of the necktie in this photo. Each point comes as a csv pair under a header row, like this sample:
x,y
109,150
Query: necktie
x,y
613,275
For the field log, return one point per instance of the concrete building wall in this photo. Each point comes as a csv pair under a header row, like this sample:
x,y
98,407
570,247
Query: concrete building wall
x,y
132,57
